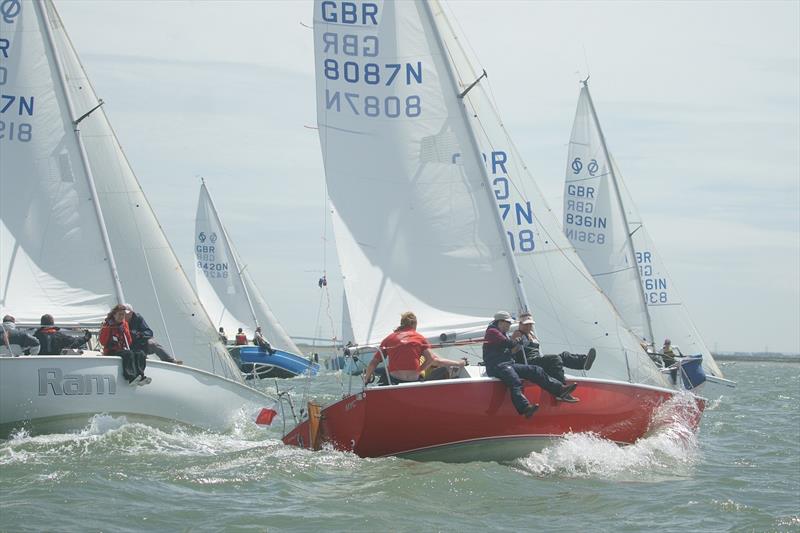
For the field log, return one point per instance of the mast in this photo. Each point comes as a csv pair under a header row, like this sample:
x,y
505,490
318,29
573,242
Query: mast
x,y
522,299
112,265
239,271
621,209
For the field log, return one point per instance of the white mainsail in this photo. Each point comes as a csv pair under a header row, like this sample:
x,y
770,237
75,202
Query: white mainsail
x,y
52,223
223,284
415,230
571,312
601,220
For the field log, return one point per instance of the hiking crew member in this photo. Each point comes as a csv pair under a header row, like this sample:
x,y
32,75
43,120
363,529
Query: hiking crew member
x,y
261,342
143,337
498,354
115,336
552,364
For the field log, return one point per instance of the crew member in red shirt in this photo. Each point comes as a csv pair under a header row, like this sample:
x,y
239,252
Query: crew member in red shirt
x,y
115,336
408,353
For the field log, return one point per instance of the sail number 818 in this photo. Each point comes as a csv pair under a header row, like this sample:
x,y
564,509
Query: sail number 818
x,y
524,239
15,131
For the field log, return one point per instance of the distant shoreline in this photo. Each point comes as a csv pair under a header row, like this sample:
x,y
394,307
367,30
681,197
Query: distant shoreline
x,y
765,357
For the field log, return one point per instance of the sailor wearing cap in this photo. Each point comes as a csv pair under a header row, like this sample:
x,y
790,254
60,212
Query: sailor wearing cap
x,y
552,364
498,354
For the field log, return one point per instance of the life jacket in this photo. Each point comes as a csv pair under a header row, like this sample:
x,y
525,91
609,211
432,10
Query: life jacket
x,y
241,339
498,350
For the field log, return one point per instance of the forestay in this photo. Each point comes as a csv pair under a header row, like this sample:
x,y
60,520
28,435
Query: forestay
x,y
415,224
150,274
620,249
223,284
571,312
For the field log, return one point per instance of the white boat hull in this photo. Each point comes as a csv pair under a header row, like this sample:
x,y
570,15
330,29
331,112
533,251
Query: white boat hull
x,y
61,393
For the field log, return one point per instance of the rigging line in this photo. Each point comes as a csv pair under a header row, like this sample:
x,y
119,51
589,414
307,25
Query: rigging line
x,y
586,61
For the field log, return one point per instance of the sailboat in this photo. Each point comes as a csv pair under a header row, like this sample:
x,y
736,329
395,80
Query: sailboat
x,y
602,222
77,236
233,301
434,212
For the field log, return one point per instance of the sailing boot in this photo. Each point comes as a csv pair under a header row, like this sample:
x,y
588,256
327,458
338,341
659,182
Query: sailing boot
x,y
590,357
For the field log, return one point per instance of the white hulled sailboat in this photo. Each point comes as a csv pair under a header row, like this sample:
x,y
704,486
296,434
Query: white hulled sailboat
x,y
233,301
77,236
602,222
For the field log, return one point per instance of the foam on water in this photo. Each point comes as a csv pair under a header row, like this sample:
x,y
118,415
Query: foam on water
x,y
670,449
109,433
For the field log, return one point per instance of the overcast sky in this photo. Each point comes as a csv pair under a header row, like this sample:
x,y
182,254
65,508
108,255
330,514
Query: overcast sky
x,y
699,101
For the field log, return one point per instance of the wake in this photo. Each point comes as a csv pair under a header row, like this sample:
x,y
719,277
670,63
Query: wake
x,y
670,449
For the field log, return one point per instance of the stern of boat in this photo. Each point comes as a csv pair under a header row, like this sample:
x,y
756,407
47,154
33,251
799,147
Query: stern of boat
x,y
339,425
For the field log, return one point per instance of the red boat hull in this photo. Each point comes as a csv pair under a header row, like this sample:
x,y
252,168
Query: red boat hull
x,y
474,419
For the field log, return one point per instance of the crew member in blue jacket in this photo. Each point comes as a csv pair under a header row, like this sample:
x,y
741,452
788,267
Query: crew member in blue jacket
x,y
143,337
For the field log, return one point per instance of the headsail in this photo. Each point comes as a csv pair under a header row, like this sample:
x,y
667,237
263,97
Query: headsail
x,y
150,274
595,223
571,312
414,223
223,283
620,253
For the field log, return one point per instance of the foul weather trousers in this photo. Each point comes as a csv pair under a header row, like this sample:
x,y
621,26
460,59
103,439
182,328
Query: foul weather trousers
x,y
512,375
133,363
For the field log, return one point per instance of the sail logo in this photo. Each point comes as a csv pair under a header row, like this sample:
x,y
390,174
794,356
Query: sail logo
x,y
213,238
53,380
202,237
591,168
10,9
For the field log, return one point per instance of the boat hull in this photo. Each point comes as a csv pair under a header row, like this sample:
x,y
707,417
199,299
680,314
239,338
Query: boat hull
x,y
474,419
60,393
255,361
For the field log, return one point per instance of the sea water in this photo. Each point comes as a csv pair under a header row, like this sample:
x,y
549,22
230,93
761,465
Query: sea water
x,y
740,472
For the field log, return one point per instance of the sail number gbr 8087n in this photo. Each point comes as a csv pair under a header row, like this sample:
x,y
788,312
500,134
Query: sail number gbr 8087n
x,y
350,60
14,109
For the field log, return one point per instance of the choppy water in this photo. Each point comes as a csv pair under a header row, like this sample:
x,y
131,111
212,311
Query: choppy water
x,y
740,473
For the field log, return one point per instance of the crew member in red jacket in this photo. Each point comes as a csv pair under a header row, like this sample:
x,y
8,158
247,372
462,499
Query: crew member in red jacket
x,y
115,336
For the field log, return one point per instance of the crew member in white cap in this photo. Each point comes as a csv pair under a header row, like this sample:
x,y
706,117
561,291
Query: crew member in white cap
x,y
552,364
